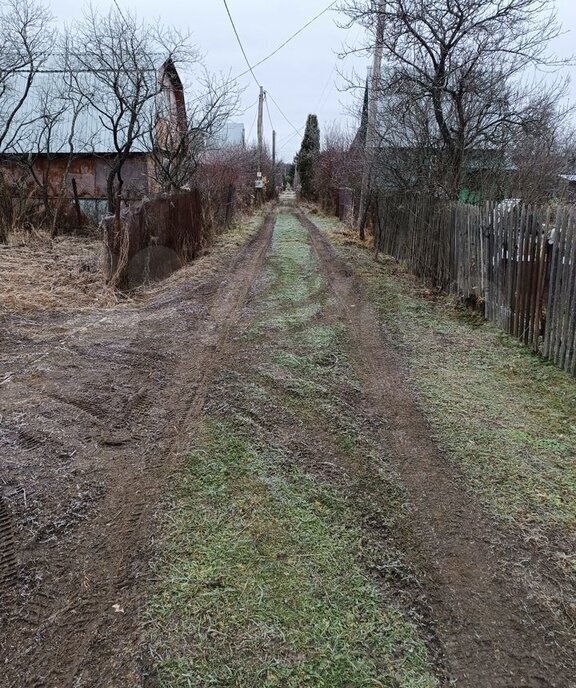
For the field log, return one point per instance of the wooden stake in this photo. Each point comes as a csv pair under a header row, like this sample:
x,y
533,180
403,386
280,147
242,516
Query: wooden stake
x,y
77,202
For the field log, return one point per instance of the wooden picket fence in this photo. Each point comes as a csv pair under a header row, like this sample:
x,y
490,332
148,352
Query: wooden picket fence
x,y
517,261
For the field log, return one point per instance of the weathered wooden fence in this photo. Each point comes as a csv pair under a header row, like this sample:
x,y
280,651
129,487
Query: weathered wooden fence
x,y
151,239
518,261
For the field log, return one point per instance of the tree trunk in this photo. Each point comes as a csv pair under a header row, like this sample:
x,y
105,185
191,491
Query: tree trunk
x,y
110,190
6,210
455,168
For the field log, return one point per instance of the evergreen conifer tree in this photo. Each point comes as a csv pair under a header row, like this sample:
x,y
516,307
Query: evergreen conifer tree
x,y
306,158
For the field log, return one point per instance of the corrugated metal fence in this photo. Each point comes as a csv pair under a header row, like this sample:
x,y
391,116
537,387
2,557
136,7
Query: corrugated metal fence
x,y
519,261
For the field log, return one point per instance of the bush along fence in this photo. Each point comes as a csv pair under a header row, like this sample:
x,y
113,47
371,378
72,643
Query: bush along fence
x,y
339,202
515,261
151,239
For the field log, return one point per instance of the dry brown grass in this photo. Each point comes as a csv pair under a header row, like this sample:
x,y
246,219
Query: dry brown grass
x,y
38,273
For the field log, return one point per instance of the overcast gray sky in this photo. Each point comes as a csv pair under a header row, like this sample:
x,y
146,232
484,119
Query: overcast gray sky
x,y
303,76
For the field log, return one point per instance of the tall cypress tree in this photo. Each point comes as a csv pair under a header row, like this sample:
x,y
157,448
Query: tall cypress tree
x,y
307,156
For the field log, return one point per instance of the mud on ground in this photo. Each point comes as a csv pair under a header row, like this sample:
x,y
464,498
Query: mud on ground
x,y
94,414
98,409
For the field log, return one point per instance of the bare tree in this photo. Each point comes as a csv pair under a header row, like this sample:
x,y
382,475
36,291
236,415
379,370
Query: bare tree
x,y
408,141
114,59
27,36
338,165
466,69
49,146
177,152
540,152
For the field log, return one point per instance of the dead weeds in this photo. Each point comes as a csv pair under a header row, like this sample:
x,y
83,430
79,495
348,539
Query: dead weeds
x,y
39,273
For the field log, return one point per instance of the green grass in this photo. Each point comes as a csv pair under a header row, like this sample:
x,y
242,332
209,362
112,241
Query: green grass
x,y
262,586
265,570
293,272
504,415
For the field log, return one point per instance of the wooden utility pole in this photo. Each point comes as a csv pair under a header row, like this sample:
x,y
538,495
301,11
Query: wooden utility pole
x,y
274,163
371,129
259,181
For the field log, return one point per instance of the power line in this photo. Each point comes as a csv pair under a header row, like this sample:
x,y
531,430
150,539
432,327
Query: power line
x,y
269,115
330,83
298,131
288,137
252,128
327,90
248,108
251,69
287,144
240,44
292,37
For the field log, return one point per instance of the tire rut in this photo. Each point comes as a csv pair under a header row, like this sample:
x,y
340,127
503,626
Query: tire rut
x,y
494,634
8,564
79,626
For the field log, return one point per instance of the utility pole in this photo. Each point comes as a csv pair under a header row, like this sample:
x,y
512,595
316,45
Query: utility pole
x,y
259,181
274,163
371,130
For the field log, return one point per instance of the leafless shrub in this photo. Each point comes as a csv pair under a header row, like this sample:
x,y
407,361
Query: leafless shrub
x,y
339,165
225,169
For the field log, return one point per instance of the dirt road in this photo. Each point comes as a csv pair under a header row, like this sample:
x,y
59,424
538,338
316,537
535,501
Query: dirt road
x,y
97,412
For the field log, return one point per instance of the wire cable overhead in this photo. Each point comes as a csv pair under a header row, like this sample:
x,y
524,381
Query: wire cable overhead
x,y
250,69
298,131
288,40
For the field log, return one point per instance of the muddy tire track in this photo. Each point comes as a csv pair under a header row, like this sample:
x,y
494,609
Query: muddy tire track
x,y
110,416
494,633
7,549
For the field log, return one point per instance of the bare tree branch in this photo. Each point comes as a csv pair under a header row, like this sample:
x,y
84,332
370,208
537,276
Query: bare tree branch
x,y
461,77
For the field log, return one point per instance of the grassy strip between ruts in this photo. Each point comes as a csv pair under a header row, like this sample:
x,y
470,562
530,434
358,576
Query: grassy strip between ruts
x,y
507,417
262,586
261,580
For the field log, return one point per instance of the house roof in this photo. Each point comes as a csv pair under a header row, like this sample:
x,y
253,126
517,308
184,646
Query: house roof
x,y
53,120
